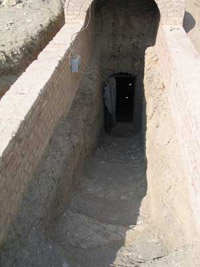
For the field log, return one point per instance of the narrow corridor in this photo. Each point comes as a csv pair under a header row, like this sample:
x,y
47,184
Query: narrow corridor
x,y
104,225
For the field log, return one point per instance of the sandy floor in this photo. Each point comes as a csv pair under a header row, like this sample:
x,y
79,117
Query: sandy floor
x,y
98,227
106,222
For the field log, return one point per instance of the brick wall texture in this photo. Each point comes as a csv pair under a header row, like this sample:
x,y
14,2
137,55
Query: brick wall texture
x,y
30,111
172,11
180,65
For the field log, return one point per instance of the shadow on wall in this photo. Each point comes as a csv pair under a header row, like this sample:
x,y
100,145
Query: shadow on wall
x,y
188,22
28,242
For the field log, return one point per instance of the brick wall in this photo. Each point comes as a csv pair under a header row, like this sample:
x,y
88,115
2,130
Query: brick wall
x,y
30,110
180,65
172,11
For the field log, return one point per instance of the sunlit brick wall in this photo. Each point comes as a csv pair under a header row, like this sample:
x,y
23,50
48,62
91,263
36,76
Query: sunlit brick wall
x,y
30,110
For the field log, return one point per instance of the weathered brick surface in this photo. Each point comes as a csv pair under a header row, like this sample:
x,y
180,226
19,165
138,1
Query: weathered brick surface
x,y
30,111
172,11
180,64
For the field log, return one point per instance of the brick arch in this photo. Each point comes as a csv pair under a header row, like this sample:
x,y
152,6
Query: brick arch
x,y
172,11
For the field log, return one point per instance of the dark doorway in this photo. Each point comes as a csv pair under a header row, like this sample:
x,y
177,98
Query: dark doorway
x,y
118,100
125,85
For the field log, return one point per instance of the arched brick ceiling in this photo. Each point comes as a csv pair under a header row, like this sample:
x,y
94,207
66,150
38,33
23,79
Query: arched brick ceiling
x,y
172,11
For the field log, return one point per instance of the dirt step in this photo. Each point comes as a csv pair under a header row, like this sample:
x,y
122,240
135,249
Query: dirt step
x,y
132,248
101,225
81,231
122,211
124,150
114,174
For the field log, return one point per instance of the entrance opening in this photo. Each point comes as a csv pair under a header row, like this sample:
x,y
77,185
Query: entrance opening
x,y
124,30
125,85
119,100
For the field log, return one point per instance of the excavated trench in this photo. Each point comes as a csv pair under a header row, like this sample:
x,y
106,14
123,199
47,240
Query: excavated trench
x,y
86,209
26,28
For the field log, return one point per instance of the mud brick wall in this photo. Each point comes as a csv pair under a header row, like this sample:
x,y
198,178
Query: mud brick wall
x,y
172,11
180,65
30,110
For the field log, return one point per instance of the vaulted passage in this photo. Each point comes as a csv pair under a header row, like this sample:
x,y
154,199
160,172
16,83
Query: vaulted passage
x,y
101,224
98,218
124,29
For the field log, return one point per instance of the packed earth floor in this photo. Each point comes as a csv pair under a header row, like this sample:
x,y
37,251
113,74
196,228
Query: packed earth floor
x,y
106,222
103,224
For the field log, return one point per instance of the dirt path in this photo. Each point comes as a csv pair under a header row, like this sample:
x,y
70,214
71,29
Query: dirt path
x,y
104,224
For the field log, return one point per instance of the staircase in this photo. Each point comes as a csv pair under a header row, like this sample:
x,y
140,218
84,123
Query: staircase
x,y
104,225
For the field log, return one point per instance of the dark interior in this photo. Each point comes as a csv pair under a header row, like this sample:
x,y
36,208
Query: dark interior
x,y
125,88
125,85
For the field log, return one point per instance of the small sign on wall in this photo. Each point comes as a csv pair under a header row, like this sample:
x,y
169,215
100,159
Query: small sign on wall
x,y
75,63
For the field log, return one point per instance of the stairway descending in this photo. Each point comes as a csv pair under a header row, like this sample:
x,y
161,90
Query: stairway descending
x,y
103,225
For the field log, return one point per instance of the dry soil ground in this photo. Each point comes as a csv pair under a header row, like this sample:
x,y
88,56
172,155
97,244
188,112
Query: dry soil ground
x,y
105,224
26,27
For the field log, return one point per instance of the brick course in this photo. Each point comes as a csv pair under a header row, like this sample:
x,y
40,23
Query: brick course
x,y
172,11
30,110
180,65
